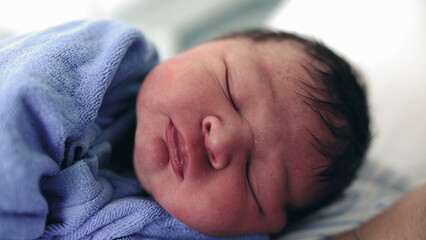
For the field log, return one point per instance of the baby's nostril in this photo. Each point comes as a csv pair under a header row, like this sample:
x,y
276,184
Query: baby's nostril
x,y
208,126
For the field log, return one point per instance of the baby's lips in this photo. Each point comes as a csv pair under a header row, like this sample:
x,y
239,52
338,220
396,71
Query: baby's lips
x,y
176,148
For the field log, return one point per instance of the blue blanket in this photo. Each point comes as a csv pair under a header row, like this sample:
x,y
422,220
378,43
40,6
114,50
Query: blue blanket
x,y
67,95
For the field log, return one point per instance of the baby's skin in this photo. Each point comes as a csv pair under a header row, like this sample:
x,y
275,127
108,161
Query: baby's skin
x,y
224,139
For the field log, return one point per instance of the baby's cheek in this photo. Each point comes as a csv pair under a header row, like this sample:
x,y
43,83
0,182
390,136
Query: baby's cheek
x,y
209,213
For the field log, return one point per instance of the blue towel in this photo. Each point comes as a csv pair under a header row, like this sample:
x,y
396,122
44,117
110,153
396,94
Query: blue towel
x,y
67,95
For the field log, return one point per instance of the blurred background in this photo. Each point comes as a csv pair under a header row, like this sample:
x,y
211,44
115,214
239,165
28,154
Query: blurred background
x,y
174,25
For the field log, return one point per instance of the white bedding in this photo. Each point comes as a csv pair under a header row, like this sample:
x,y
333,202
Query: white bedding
x,y
375,189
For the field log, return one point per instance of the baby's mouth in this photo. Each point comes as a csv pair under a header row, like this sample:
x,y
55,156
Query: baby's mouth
x,y
176,148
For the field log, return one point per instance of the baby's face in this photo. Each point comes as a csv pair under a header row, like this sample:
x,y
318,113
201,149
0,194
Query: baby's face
x,y
222,140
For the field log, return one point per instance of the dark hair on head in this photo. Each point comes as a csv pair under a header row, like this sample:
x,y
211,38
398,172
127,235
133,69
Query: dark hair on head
x,y
341,104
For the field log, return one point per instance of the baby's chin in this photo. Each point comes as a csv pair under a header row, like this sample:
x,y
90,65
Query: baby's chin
x,y
140,176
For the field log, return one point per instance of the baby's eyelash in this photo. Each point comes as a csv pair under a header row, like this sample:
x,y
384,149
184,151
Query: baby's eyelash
x,y
248,174
231,99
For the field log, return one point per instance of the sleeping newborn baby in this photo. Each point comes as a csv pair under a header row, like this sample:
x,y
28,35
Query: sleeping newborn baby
x,y
243,134
249,131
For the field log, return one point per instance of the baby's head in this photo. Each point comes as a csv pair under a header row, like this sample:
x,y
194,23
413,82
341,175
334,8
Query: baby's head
x,y
235,135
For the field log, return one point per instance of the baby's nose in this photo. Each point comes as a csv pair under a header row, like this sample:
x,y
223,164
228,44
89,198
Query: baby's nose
x,y
222,140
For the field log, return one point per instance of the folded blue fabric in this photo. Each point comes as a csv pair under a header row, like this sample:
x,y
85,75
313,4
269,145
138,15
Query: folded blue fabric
x,y
66,95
